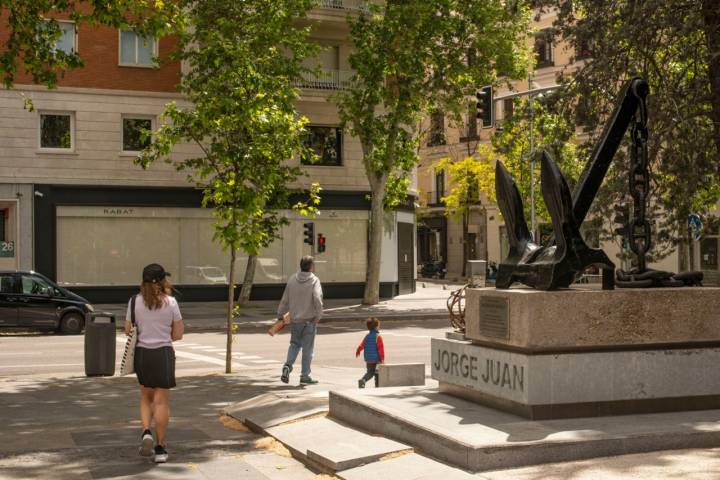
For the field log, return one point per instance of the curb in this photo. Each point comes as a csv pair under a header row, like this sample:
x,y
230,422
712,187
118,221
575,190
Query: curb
x,y
217,327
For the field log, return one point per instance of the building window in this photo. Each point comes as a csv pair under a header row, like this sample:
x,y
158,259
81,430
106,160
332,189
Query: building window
x,y
544,49
326,143
133,139
583,50
437,129
56,131
67,41
137,50
439,186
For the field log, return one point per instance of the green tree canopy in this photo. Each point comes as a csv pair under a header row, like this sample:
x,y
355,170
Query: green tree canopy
x,y
675,45
551,132
243,59
415,57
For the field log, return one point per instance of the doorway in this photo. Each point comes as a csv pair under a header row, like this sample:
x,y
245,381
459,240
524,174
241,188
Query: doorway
x,y
406,258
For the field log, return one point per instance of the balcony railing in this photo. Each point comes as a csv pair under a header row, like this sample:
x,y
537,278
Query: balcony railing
x,y
433,198
342,4
326,80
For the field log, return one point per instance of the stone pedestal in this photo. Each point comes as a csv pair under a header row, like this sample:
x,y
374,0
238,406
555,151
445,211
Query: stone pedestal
x,y
585,352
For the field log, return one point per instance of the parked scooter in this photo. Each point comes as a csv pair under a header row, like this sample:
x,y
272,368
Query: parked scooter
x,y
435,269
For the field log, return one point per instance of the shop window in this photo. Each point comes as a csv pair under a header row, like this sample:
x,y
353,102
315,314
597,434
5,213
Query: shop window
x,y
109,246
133,139
67,41
544,49
326,143
2,224
437,129
56,131
137,50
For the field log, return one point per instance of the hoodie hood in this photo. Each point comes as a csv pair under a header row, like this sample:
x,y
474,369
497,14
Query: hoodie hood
x,y
303,277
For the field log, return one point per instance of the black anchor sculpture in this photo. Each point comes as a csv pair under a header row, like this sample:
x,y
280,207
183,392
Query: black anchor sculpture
x,y
566,255
545,267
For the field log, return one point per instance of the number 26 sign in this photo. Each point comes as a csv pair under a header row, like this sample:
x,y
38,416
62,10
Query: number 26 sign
x,y
7,249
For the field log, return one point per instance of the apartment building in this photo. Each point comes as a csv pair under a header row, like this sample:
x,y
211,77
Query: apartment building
x,y
440,236
77,209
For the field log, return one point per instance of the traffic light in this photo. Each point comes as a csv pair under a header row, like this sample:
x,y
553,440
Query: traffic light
x,y
309,233
622,220
485,106
321,243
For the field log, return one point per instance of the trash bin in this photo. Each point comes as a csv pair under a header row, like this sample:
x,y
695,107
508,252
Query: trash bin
x,y
100,344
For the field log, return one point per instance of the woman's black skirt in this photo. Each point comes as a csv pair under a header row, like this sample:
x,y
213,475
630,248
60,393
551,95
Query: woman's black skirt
x,y
155,367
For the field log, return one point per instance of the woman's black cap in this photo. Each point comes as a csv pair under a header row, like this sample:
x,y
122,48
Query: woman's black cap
x,y
154,273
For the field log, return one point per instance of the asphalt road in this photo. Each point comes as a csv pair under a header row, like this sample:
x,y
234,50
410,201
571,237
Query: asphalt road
x,y
46,353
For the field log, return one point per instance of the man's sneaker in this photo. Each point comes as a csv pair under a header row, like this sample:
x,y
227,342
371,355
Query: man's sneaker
x,y
285,377
146,444
308,381
161,455
361,383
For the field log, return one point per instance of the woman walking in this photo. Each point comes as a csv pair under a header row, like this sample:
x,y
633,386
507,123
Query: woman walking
x,y
159,323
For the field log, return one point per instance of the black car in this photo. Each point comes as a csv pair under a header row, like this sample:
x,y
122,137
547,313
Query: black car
x,y
29,299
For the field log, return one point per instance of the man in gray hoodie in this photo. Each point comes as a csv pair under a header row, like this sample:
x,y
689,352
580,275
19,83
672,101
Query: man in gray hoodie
x,y
303,299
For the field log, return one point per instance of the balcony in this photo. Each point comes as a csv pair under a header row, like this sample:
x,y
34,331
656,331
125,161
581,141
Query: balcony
x,y
326,79
352,5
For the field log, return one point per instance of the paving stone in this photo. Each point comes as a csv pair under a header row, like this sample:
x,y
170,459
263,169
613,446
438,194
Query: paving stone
x,y
332,444
407,467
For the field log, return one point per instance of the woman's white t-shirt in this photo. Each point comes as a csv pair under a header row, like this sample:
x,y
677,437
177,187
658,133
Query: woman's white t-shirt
x,y
155,326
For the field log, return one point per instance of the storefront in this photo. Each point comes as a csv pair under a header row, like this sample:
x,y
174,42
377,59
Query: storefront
x,y
95,241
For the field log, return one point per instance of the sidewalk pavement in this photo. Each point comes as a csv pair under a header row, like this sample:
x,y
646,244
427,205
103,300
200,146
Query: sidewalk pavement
x,y
60,427
89,428
429,302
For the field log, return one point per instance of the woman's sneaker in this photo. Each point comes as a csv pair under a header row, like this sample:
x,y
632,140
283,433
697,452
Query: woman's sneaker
x,y
146,444
161,455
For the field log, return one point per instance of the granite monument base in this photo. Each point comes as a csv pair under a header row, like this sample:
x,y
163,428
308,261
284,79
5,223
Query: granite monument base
x,y
585,352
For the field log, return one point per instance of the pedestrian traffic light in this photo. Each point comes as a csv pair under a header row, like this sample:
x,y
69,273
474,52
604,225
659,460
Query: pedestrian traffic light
x,y
622,220
321,243
484,106
309,233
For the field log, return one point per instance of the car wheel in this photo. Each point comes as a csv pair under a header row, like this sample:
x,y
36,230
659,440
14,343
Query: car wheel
x,y
72,324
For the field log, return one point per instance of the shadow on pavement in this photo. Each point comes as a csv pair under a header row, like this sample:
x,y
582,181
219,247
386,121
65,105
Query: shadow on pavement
x,y
78,427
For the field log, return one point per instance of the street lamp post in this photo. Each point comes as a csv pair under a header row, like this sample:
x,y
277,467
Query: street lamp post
x,y
532,168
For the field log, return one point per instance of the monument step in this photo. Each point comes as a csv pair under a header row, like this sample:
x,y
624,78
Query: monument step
x,y
272,409
407,467
478,438
332,446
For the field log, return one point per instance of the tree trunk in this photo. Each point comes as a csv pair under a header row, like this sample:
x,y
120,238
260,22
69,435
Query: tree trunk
x,y
231,298
248,280
377,212
711,19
